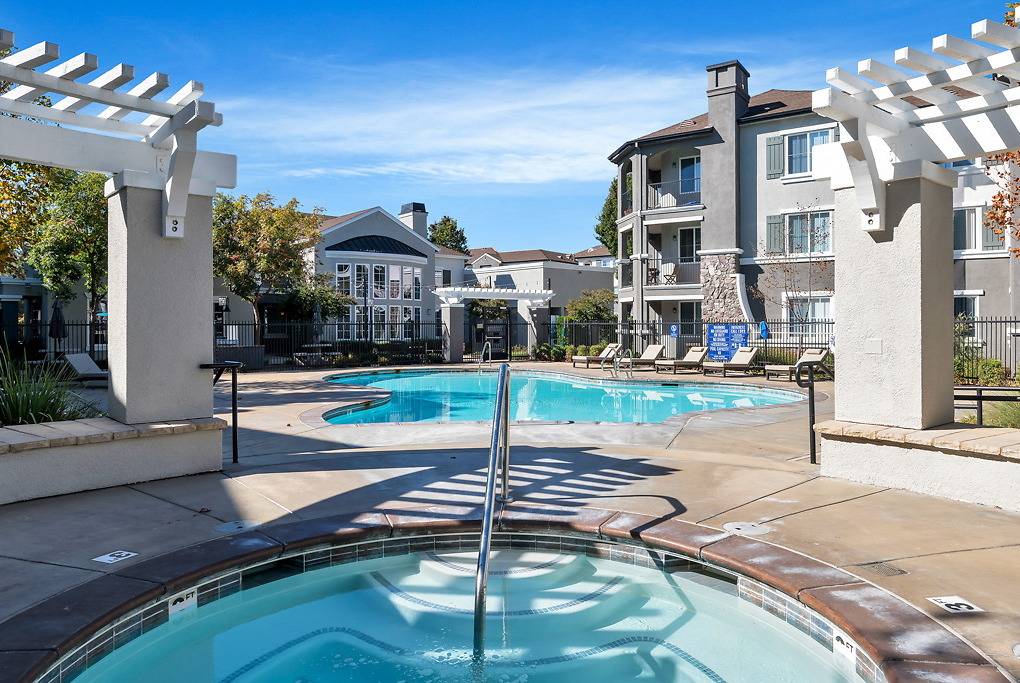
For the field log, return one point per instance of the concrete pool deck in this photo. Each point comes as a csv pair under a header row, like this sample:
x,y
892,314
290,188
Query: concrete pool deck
x,y
747,466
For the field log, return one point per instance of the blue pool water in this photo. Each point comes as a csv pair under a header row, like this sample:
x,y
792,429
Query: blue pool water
x,y
458,396
552,617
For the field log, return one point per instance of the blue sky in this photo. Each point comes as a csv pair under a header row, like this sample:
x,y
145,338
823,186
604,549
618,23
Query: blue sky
x,y
499,114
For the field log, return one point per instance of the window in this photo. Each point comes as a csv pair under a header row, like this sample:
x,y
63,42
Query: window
x,y
961,163
788,155
344,323
378,322
689,317
799,233
688,244
798,150
379,282
417,284
807,316
690,175
408,286
361,280
394,282
394,321
343,278
970,233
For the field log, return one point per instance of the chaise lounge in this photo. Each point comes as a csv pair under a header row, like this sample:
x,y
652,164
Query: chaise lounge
x,y
607,354
692,361
85,368
809,356
648,357
742,360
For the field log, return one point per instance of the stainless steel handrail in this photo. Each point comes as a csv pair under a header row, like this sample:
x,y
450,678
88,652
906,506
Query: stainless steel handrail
x,y
499,456
481,357
618,361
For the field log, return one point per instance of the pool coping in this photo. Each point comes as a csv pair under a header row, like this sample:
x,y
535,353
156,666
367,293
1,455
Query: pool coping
x,y
906,644
318,417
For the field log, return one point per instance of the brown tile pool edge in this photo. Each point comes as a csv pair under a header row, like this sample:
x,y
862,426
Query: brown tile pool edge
x,y
905,643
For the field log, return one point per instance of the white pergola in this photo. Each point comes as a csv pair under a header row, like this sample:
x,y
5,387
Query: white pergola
x,y
894,262
160,212
530,304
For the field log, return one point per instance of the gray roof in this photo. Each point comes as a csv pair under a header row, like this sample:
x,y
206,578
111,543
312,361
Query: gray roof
x,y
379,244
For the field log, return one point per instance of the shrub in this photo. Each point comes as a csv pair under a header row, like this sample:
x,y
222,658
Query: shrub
x,y
558,353
543,352
41,393
596,349
582,350
991,373
569,351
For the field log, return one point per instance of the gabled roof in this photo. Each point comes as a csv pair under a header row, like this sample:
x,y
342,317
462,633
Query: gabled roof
x,y
523,256
599,251
446,251
379,244
330,221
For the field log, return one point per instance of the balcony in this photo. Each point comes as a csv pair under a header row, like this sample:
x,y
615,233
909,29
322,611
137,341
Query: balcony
x,y
674,194
683,271
627,206
626,273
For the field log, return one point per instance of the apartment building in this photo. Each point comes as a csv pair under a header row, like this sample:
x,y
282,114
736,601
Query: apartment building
x,y
721,218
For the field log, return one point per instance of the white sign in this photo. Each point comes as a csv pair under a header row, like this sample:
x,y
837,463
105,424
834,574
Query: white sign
x,y
182,601
843,645
115,556
955,604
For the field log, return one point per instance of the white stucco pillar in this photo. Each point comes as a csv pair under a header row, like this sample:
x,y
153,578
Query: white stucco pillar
x,y
453,321
535,315
894,301
160,306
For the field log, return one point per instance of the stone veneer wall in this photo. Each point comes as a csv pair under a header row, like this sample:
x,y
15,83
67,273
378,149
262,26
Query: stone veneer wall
x,y
719,287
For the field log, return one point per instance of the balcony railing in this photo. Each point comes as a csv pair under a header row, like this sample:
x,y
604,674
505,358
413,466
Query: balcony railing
x,y
673,194
683,271
627,205
626,273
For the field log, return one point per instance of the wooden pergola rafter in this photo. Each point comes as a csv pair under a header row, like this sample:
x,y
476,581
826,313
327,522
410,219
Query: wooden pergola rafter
x,y
955,103
159,147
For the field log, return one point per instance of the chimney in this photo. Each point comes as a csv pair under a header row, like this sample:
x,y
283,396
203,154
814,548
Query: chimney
x,y
727,93
415,216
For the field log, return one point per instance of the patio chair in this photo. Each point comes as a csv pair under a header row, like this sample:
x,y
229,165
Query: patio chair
x,y
809,356
607,354
648,357
742,360
85,368
692,361
669,273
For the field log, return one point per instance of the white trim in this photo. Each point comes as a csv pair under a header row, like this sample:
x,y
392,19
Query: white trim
x,y
795,258
971,254
745,305
682,219
812,294
713,252
674,297
799,178
669,209
373,257
968,292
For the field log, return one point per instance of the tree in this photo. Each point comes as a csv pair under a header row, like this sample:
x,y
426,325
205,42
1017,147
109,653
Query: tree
x,y
23,196
593,306
1002,169
445,233
488,309
605,228
316,289
72,245
259,247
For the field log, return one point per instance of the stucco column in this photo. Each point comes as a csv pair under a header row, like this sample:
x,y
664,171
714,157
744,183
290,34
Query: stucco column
x,y
453,322
536,316
160,308
894,303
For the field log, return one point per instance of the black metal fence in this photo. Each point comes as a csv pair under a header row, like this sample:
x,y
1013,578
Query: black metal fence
x,y
986,351
508,340
783,342
330,344
34,342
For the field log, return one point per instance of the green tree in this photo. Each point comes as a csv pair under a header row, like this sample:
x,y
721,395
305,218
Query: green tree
x,y
260,247
24,190
316,289
488,309
71,247
605,228
446,233
593,306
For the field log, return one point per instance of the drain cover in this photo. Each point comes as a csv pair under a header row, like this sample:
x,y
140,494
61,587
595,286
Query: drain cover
x,y
747,528
239,525
882,569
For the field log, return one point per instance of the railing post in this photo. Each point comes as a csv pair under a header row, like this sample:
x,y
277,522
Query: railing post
x,y
233,366
980,406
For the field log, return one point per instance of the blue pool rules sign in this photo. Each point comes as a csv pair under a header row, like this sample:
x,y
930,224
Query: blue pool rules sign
x,y
674,330
724,340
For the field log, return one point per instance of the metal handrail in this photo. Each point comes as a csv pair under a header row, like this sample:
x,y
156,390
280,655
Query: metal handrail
x,y
809,384
611,357
980,398
481,357
233,366
499,455
618,362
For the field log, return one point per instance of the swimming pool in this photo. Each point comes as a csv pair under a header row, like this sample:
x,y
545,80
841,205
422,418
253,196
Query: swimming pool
x,y
538,396
552,616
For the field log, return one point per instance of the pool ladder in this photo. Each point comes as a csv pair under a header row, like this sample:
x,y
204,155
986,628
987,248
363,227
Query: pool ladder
x,y
499,458
618,363
481,358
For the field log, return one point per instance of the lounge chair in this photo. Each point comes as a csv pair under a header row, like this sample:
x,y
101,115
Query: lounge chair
x,y
85,368
742,360
607,354
692,361
648,357
809,356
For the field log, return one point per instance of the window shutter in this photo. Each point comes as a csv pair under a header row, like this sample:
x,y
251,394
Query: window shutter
x,y
773,157
835,133
989,240
774,234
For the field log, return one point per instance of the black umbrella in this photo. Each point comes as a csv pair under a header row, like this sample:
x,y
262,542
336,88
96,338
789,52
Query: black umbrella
x,y
317,322
58,328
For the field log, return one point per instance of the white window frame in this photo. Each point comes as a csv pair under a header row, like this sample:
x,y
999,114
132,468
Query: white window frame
x,y
787,173
975,232
787,301
349,277
376,289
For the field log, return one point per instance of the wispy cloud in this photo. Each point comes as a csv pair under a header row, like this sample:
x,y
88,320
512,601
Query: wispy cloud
x,y
454,123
